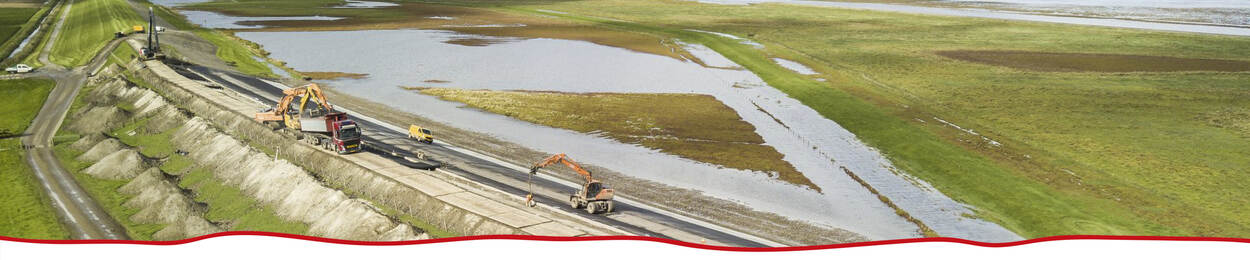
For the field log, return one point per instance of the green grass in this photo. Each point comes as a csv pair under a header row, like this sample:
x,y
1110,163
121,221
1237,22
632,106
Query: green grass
x,y
1082,153
122,55
25,96
159,145
105,193
89,27
696,127
230,206
24,211
430,229
1119,132
15,25
236,54
226,205
40,40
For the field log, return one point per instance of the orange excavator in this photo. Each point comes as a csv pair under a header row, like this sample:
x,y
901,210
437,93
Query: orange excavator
x,y
282,111
594,195
316,120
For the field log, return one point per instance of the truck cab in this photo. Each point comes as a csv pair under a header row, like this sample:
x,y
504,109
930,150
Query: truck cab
x,y
345,134
20,68
420,134
334,132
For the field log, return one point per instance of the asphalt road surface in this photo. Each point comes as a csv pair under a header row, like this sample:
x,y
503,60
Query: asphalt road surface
x,y
629,215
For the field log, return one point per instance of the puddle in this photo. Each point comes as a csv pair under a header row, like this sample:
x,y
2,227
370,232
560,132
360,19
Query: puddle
x,y
366,4
441,17
221,21
709,57
551,11
484,25
731,36
276,70
983,13
795,66
409,57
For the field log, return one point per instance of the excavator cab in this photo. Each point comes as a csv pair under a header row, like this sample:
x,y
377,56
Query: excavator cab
x,y
596,190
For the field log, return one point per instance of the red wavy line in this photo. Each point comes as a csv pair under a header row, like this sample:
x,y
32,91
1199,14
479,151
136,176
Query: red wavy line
x,y
636,238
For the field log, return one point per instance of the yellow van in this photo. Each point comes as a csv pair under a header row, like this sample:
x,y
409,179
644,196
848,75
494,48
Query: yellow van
x,y
421,134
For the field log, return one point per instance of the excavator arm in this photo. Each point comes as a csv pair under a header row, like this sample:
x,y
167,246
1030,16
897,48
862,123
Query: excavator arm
x,y
307,92
276,114
312,91
562,158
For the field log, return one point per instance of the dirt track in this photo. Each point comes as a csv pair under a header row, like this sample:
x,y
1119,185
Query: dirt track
x,y
82,216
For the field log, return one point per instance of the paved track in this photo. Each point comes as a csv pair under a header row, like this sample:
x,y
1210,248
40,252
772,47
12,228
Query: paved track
x,y
630,215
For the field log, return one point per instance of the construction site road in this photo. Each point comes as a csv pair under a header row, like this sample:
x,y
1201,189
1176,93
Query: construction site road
x,y
76,210
383,138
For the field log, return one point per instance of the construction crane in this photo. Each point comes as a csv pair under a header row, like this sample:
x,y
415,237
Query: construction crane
x,y
594,196
153,50
315,118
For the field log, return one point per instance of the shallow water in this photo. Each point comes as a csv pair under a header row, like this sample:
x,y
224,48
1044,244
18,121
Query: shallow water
x,y
366,4
982,13
731,36
275,69
795,66
220,21
1128,3
25,41
172,3
410,57
1222,12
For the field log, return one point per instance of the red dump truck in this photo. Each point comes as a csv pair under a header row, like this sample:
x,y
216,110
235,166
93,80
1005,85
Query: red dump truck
x,y
318,124
334,132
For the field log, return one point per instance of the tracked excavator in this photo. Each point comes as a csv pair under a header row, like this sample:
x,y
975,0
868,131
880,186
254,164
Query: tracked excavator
x,y
594,196
315,119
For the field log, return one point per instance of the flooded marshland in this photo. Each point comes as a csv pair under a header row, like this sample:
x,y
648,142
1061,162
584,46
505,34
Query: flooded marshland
x,y
1196,20
815,146
459,51
219,21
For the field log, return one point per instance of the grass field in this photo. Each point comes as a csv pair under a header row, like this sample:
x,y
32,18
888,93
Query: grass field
x,y
24,212
40,40
706,130
1082,153
105,193
12,21
26,96
1086,62
89,27
1152,153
